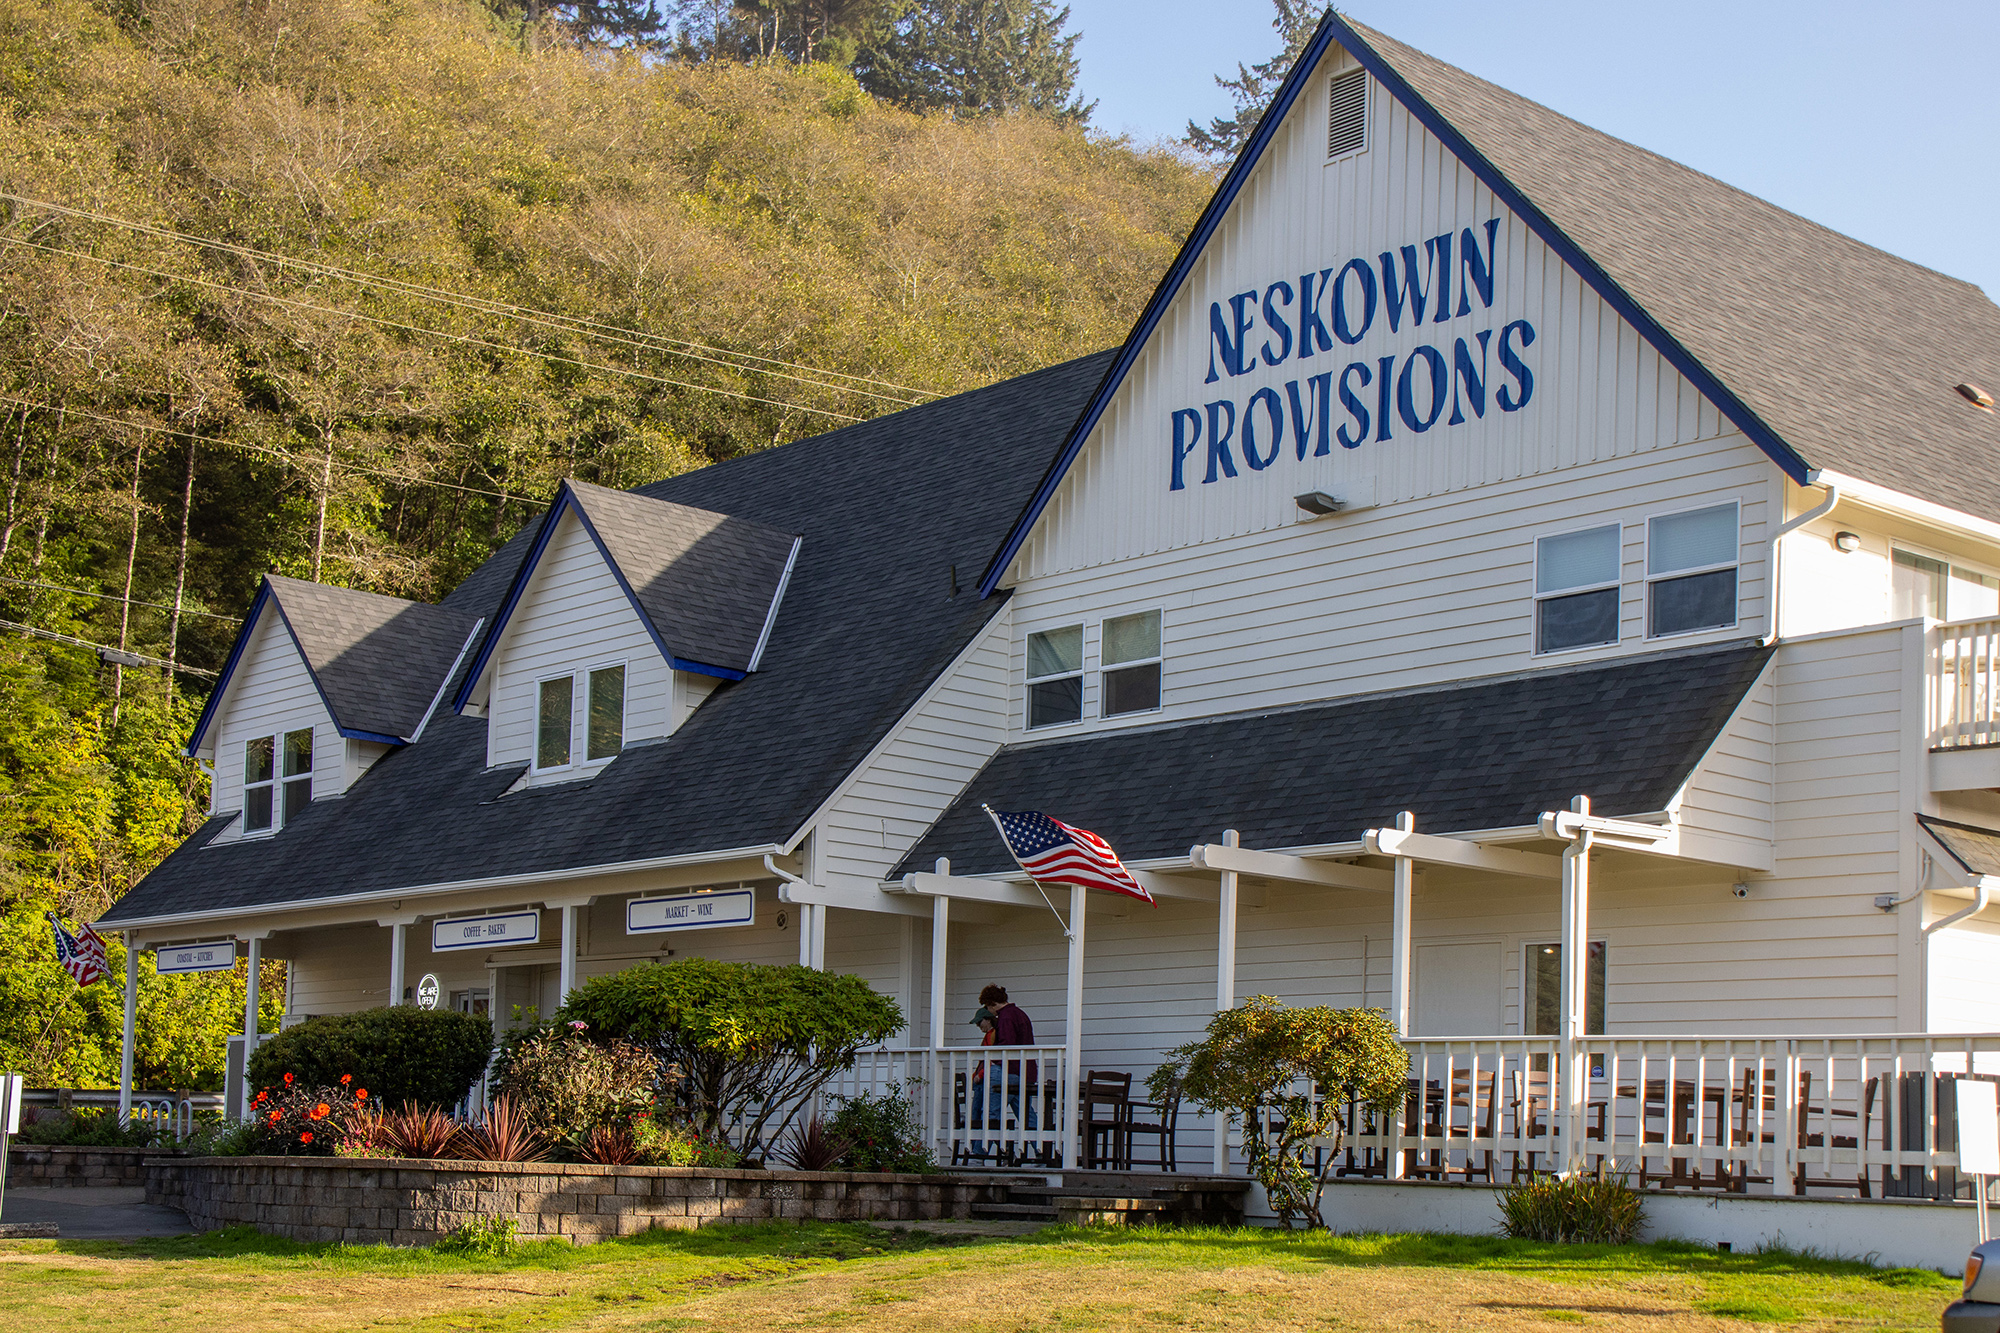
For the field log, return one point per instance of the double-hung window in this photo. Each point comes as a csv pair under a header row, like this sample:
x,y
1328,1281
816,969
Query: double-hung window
x,y
1131,664
271,763
1691,570
603,698
1055,676
1576,589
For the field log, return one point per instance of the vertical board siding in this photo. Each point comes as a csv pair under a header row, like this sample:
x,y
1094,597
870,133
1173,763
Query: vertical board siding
x,y
271,693
1433,590
1600,391
573,616
921,767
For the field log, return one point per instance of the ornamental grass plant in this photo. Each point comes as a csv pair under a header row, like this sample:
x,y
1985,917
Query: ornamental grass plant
x,y
1597,1209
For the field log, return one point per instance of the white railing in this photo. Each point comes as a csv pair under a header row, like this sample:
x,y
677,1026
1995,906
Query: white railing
x,y
1872,1116
953,1092
174,1120
1964,702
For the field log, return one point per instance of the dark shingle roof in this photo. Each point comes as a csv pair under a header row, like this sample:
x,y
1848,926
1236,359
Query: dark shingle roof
x,y
1491,754
1977,850
705,580
379,660
1847,352
886,509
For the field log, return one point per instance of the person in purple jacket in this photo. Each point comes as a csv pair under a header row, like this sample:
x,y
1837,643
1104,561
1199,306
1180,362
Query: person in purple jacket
x,y
1011,1027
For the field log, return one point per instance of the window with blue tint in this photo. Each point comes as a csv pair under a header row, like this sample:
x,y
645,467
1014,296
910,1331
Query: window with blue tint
x,y
1576,589
1055,676
1691,570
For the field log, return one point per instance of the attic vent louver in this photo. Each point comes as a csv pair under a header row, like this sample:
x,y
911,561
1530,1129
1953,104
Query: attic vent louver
x,y
1347,114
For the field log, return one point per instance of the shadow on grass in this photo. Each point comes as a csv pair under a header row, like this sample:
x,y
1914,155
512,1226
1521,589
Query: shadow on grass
x,y
784,1241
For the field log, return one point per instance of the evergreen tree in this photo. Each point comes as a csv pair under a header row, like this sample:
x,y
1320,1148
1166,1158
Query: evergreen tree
x,y
1255,85
828,31
975,56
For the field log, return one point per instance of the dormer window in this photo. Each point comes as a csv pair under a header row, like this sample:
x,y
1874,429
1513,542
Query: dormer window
x,y
605,735
263,757
602,690
552,722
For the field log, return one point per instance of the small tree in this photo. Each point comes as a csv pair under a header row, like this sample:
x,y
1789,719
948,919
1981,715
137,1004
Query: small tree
x,y
1302,1066
752,1042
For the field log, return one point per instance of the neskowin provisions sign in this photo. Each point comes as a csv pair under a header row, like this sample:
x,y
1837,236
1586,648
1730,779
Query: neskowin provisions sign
x,y
486,932
196,958
691,911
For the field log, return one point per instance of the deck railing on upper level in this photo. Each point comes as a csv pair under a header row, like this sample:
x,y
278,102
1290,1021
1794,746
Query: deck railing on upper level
x,y
1964,672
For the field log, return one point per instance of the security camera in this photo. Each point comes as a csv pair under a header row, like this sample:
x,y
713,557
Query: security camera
x,y
1740,890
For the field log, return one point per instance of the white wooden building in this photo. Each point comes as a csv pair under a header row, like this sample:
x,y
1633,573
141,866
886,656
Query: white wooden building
x,y
1465,462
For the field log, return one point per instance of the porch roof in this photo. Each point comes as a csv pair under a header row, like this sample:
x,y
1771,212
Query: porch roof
x,y
1491,754
1977,850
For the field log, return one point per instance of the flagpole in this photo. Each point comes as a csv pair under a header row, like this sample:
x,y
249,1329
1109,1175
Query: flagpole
x,y
1068,932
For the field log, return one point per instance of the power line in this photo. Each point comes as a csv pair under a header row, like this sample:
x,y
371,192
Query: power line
x,y
116,656
265,449
418,328
695,350
114,597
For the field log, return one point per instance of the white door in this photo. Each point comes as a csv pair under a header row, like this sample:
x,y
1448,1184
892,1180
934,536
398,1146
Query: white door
x,y
1458,990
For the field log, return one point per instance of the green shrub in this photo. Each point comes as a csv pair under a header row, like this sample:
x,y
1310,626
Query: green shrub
x,y
1584,1209
568,1084
479,1238
882,1134
87,1128
752,1042
399,1054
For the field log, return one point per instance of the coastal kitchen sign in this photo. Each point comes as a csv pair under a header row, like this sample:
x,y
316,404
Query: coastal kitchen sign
x,y
1309,323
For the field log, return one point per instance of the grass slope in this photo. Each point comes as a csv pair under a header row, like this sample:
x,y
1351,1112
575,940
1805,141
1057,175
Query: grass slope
x,y
782,1276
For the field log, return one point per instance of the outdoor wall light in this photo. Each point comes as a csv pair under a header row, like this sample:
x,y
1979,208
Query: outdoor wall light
x,y
1317,503
1847,542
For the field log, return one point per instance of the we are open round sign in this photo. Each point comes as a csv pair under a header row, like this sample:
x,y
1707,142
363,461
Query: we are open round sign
x,y
427,991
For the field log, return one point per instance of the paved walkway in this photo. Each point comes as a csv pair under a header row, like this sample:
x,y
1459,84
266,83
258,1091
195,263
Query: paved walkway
x,y
95,1212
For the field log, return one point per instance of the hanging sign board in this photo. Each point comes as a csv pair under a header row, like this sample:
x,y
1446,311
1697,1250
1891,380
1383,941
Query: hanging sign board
x,y
218,957
691,911
486,932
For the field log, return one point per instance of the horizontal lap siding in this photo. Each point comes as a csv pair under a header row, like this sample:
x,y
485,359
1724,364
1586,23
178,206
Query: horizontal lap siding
x,y
1426,592
271,693
930,756
339,969
1731,790
572,616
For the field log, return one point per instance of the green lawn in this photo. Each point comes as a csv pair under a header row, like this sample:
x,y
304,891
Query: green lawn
x,y
782,1276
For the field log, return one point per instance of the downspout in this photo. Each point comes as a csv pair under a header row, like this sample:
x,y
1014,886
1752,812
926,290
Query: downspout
x,y
1813,515
1981,891
810,918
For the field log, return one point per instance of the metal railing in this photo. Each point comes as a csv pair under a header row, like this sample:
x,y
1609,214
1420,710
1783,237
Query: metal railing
x,y
1873,1116
1964,668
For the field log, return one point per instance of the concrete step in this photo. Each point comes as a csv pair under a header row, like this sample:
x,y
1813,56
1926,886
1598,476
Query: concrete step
x,y
1025,1212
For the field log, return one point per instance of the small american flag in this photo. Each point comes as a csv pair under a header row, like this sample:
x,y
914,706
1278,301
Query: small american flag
x,y
81,954
1054,851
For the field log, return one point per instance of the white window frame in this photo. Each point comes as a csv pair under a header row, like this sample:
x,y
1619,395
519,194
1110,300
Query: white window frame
x,y
580,699
1081,673
1951,567
1652,578
1105,668
270,785
1534,579
535,764
1523,943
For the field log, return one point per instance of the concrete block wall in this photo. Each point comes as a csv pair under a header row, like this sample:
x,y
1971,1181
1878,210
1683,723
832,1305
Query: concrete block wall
x,y
45,1166
406,1202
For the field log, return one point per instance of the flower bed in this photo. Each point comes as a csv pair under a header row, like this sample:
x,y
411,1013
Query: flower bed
x,y
412,1202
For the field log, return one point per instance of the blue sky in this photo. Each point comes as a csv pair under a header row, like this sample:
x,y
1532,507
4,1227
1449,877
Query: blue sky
x,y
1881,121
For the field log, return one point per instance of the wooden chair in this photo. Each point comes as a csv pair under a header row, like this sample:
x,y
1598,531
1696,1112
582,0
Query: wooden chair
x,y
1104,1102
962,1152
1809,1137
1534,1103
1157,1119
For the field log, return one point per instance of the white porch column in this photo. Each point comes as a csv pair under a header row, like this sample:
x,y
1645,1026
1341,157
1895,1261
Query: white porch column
x,y
1575,994
566,969
1399,933
397,945
1225,979
807,912
1073,1028
131,1029
940,1123
250,978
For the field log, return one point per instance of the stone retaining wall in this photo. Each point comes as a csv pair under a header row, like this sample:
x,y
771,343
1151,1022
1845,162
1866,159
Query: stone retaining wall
x,y
41,1166
406,1202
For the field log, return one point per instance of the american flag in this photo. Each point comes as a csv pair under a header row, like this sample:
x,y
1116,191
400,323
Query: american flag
x,y
81,954
1054,851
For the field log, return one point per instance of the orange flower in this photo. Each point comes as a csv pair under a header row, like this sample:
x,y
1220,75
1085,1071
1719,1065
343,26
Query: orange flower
x,y
288,1080
322,1111
306,1137
346,1079
276,1116
361,1094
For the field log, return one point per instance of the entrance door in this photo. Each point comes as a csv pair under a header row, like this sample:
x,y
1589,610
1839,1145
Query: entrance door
x,y
1458,990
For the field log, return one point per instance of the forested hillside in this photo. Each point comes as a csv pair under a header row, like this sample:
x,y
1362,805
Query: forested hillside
x,y
343,288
